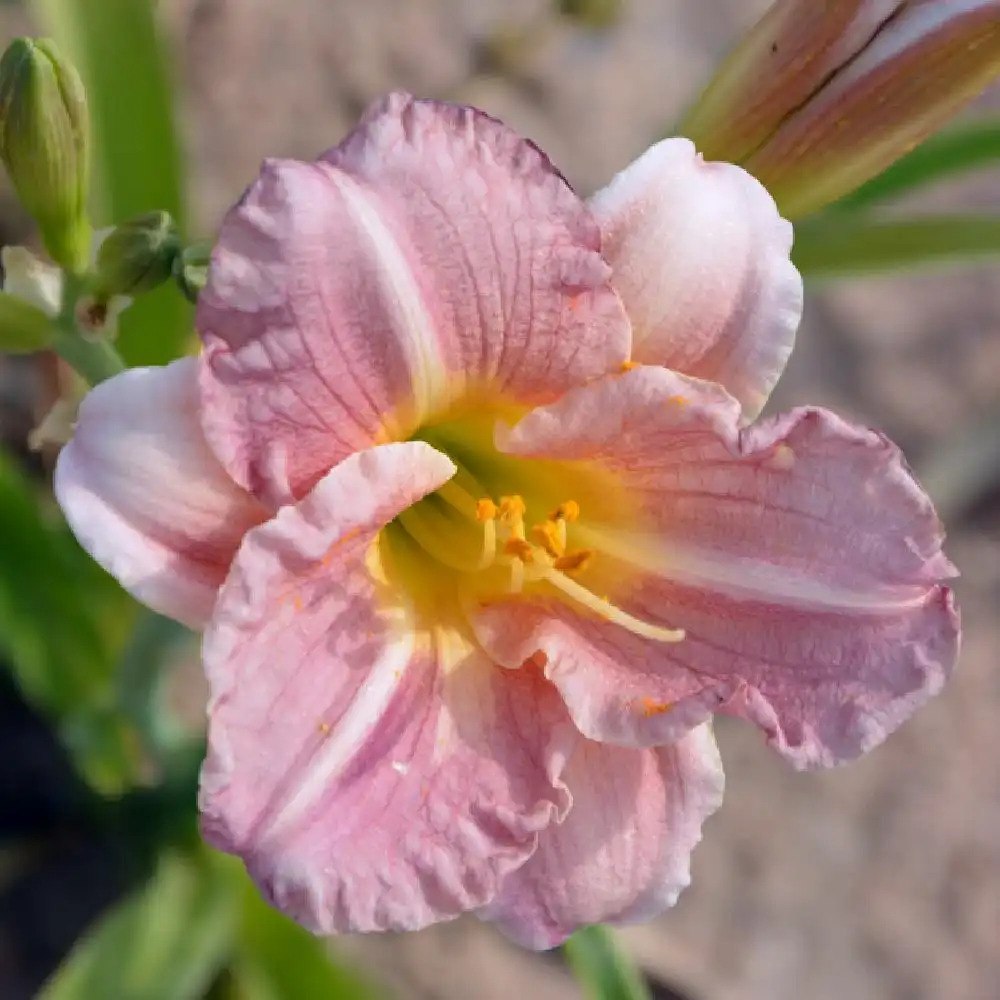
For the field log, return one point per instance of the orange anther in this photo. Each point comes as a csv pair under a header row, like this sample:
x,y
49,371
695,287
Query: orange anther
x,y
568,511
547,534
628,366
574,561
520,548
512,508
486,510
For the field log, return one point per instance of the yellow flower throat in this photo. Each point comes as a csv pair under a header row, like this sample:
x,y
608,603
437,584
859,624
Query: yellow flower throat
x,y
461,543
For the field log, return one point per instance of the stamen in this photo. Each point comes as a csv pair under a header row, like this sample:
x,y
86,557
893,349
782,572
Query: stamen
x,y
561,532
568,511
608,611
520,549
550,537
459,498
489,552
516,576
486,510
434,532
573,562
512,508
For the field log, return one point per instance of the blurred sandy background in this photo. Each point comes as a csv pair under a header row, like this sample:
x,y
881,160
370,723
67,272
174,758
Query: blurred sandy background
x,y
880,880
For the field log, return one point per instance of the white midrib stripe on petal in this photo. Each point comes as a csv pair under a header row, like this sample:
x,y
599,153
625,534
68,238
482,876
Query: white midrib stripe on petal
x,y
743,578
420,343
348,736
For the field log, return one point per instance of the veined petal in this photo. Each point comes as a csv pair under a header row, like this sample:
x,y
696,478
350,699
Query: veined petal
x,y
622,854
146,497
432,253
372,776
701,261
928,61
799,556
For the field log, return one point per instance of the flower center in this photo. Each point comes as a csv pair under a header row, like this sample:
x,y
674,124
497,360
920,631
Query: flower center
x,y
464,543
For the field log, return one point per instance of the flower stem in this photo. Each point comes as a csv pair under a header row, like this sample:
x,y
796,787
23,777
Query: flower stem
x,y
95,360
93,357
601,968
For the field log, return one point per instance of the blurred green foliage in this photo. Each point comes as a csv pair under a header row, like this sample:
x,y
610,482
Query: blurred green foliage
x,y
602,968
835,246
168,941
956,150
62,649
137,159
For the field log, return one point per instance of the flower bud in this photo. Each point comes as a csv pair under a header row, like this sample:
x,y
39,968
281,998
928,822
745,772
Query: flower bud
x,y
44,144
821,97
191,269
137,256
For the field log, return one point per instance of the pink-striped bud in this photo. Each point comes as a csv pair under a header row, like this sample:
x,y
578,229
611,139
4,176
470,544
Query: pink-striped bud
x,y
822,95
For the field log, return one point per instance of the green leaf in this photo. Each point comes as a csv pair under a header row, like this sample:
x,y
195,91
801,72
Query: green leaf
x,y
23,327
602,968
137,161
837,246
277,960
61,621
956,150
143,668
166,942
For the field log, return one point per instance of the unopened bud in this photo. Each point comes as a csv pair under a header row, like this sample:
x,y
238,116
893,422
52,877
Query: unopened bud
x,y
819,98
137,256
191,269
44,144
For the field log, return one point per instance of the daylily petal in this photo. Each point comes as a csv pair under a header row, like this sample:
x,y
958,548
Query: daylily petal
x,y
623,852
372,775
799,555
145,496
701,261
432,253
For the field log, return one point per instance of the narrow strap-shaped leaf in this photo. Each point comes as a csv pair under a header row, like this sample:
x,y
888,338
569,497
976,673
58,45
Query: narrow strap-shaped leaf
x,y
167,942
956,150
137,160
277,960
602,968
838,246
60,648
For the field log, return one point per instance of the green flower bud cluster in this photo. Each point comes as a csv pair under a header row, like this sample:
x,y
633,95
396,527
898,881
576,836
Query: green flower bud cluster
x,y
136,256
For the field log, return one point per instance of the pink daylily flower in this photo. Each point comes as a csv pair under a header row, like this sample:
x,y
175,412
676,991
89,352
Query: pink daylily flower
x,y
463,492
